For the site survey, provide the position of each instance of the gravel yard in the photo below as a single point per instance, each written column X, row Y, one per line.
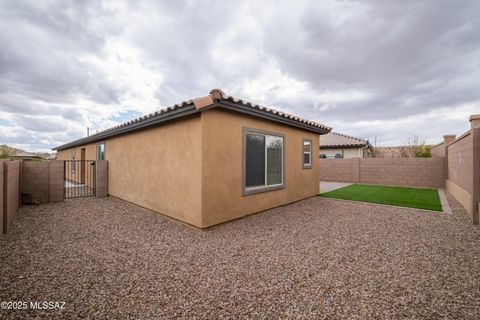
column 316, row 258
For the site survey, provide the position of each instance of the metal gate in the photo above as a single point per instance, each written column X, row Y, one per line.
column 79, row 178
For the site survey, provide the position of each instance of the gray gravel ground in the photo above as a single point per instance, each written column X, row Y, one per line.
column 317, row 258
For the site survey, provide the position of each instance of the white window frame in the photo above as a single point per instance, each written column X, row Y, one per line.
column 265, row 188
column 307, row 165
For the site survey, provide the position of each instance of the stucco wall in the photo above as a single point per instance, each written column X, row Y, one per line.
column 76, row 174
column 222, row 142
column 415, row 172
column 90, row 152
column 159, row 169
column 347, row 152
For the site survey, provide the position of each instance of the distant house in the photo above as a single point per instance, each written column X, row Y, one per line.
column 337, row 145
column 22, row 155
column 207, row 160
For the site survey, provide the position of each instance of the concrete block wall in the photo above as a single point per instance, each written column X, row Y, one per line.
column 11, row 192
column 56, row 181
column 438, row 150
column 101, row 176
column 339, row 170
column 35, row 179
column 412, row 172
column 460, row 162
column 2, row 169
column 43, row 179
column 463, row 173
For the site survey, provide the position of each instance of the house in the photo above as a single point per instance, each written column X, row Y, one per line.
column 22, row 155
column 337, row 145
column 208, row 160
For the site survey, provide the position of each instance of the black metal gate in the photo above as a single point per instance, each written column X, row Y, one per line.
column 79, row 178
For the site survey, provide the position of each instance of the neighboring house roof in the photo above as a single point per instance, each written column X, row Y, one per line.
column 338, row 140
column 23, row 154
column 216, row 99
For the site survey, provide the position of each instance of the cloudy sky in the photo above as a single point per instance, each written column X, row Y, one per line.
column 384, row 69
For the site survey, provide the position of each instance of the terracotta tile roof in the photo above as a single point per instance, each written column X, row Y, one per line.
column 219, row 94
column 335, row 139
column 217, row 98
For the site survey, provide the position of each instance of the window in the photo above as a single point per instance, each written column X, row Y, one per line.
column 323, row 156
column 263, row 161
column 101, row 151
column 307, row 154
column 338, row 156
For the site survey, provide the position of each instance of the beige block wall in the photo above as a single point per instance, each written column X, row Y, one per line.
column 461, row 195
column 414, row 172
column 460, row 162
column 339, row 170
column 460, row 171
column 101, row 177
column 43, row 179
column 2, row 168
column 35, row 179
column 222, row 142
column 56, row 181
column 12, row 190
column 438, row 150
column 159, row 169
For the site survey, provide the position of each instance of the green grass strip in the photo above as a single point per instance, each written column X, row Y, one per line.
column 396, row 196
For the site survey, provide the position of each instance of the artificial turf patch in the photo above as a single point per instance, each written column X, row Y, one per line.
column 396, row 196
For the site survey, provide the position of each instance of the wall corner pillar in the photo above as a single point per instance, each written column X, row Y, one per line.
column 101, row 178
column 475, row 131
column 447, row 139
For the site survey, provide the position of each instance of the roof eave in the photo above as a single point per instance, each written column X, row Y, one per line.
column 257, row 112
column 172, row 115
column 192, row 109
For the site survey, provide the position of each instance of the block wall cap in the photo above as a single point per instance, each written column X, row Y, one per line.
column 475, row 117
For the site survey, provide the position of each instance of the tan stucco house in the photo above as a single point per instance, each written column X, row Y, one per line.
column 338, row 145
column 208, row 160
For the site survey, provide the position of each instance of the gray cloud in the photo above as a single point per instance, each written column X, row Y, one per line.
column 369, row 68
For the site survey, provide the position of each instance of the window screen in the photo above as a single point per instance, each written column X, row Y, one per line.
column 274, row 160
column 307, row 153
column 263, row 160
column 255, row 160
